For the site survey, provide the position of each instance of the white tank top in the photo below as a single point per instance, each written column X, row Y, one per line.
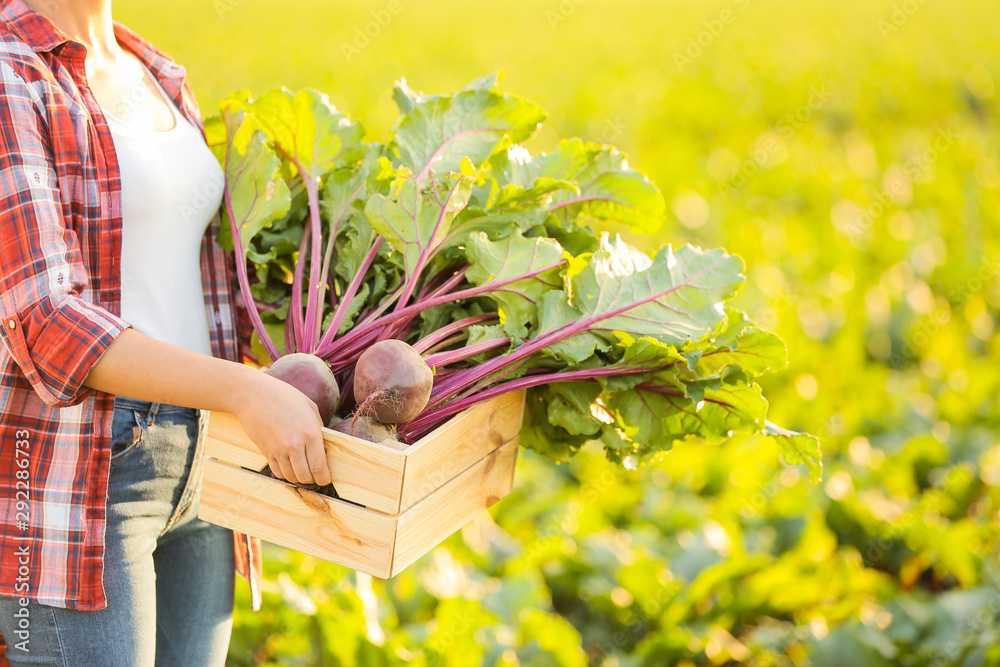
column 171, row 189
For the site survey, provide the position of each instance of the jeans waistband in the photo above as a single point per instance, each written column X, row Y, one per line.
column 150, row 409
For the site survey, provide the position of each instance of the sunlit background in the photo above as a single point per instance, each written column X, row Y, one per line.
column 848, row 151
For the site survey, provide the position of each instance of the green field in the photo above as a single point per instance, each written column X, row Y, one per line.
column 848, row 151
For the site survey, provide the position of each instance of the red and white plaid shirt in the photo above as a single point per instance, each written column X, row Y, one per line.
column 60, row 246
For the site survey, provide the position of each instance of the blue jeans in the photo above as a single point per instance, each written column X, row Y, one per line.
column 168, row 576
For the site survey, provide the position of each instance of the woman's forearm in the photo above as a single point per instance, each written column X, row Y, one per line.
column 141, row 367
column 147, row 369
column 282, row 421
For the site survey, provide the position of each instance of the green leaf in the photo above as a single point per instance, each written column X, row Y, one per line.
column 480, row 333
column 307, row 130
column 740, row 344
column 496, row 222
column 406, row 98
column 415, row 220
column 279, row 241
column 570, row 406
column 255, row 193
column 694, row 390
column 662, row 360
column 574, row 235
column 556, row 311
column 798, row 448
column 582, row 179
column 640, row 414
column 675, row 298
column 653, row 416
column 436, row 132
column 540, row 191
column 344, row 189
column 539, row 434
column 726, row 411
column 270, row 286
column 497, row 261
column 352, row 246
column 609, row 190
column 473, row 220
column 505, row 210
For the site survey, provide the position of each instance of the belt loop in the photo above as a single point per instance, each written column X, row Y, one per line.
column 152, row 413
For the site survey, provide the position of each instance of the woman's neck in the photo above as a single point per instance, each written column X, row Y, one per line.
column 84, row 21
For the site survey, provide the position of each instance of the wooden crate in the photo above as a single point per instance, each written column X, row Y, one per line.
column 394, row 506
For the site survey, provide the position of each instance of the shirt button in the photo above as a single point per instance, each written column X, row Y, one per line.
column 11, row 323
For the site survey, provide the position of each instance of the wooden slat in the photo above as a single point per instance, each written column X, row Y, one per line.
column 227, row 441
column 302, row 520
column 432, row 520
column 457, row 444
column 363, row 472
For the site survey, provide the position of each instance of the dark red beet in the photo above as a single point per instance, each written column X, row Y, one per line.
column 313, row 377
column 392, row 381
column 366, row 428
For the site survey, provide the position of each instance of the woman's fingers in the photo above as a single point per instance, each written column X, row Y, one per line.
column 309, row 463
column 300, row 467
column 276, row 468
column 319, row 465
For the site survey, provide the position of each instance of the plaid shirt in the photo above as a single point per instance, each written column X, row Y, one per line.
column 60, row 247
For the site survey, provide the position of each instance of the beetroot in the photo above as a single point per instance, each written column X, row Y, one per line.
column 366, row 428
column 392, row 381
column 313, row 377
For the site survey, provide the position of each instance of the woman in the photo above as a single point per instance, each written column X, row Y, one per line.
column 119, row 331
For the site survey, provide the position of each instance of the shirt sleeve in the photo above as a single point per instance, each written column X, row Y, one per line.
column 52, row 333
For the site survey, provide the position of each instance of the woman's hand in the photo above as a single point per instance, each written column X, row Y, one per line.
column 285, row 425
